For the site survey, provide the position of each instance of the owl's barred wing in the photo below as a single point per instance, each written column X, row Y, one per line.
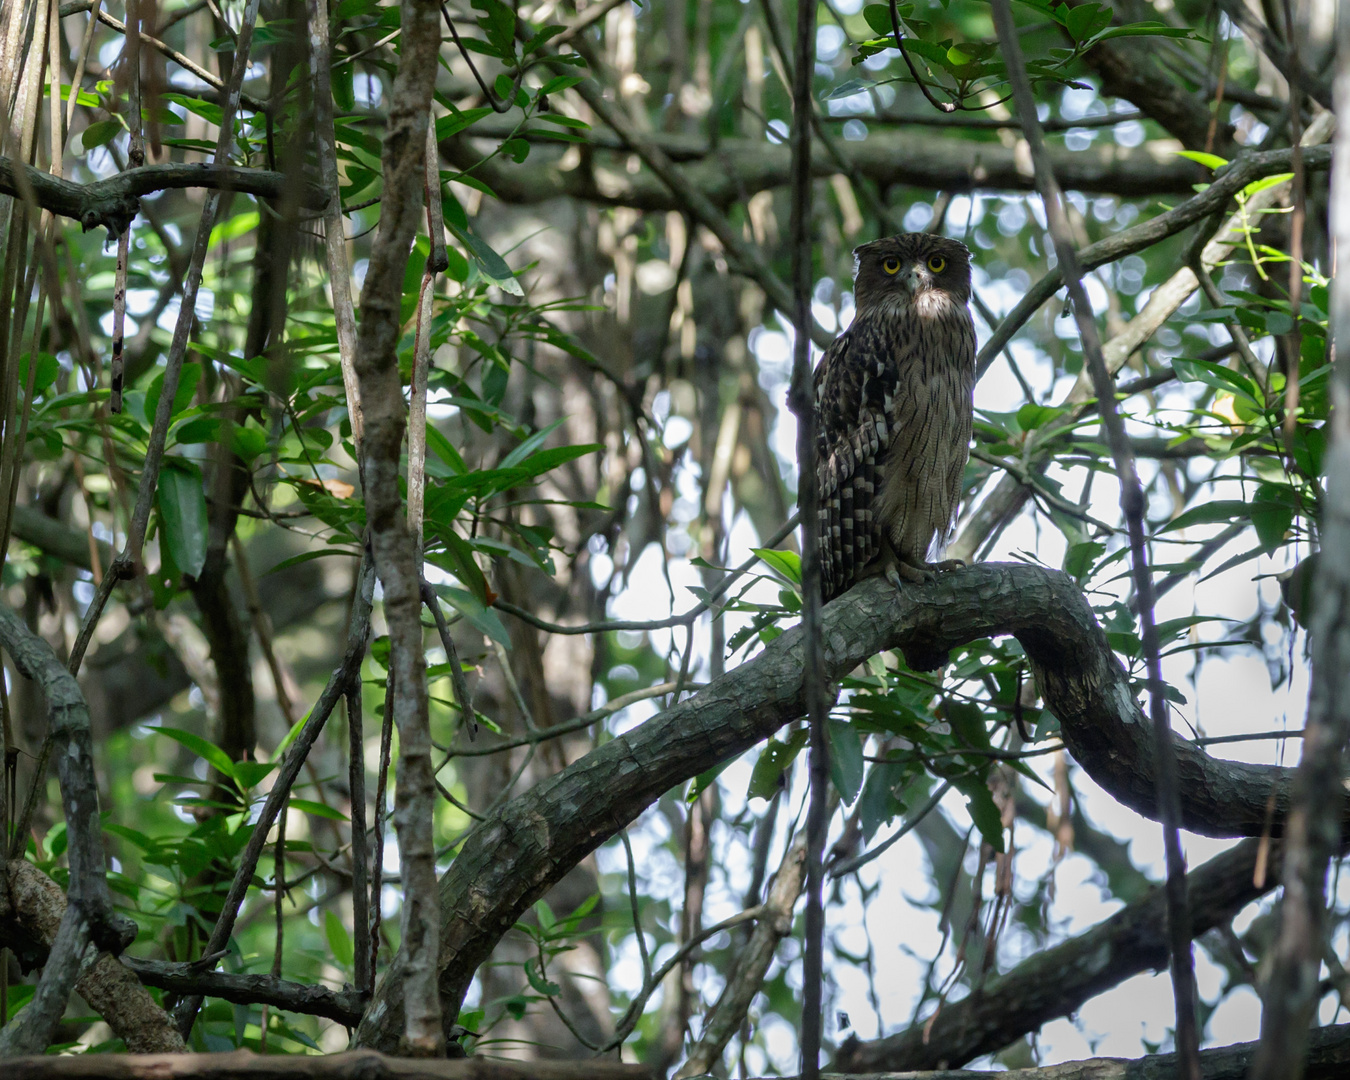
column 854, row 389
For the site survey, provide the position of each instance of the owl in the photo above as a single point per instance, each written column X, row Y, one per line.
column 893, row 399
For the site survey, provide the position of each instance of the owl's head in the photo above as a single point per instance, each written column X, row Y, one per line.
column 920, row 269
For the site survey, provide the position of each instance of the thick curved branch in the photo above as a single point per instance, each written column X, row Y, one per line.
column 1057, row 981
column 113, row 202
column 513, row 859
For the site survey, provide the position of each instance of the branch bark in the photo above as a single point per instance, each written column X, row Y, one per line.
column 113, row 202
column 357, row 1065
column 385, row 417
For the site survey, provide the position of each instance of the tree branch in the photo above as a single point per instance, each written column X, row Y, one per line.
column 385, row 416
column 738, row 168
column 344, row 1006
column 514, row 858
column 357, row 1065
column 1057, row 981
column 112, row 203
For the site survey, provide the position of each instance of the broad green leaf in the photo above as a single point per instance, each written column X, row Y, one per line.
column 1272, row 513
column 212, row 754
column 787, row 563
column 339, row 940
column 1209, row 161
column 100, row 132
column 318, row 809
column 766, row 777
column 249, row 774
column 983, row 810
column 878, row 17
column 846, row 759
column 189, row 377
column 182, row 514
column 1219, row 510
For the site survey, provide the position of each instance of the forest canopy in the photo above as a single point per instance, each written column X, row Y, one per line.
column 408, row 643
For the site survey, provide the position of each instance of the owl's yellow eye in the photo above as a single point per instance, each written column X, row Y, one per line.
column 937, row 264
column 891, row 265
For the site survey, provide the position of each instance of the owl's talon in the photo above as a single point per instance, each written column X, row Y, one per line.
column 947, row 565
column 893, row 576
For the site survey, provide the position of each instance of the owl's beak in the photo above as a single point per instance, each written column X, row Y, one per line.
column 910, row 280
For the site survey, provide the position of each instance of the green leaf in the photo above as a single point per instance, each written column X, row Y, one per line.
column 878, row 17
column 530, row 445
column 209, row 752
column 766, row 777
column 483, row 618
column 442, row 448
column 1272, row 513
column 558, row 84
column 1216, row 375
column 1217, row 510
column 499, row 26
column 538, row 982
column 1265, row 183
column 492, row 265
column 44, row 375
column 339, row 941
column 182, row 514
column 188, row 379
column 787, row 563
column 249, row 774
column 982, row 809
column 1279, row 323
column 1080, row 558
column 846, row 759
column 235, row 226
column 453, row 124
column 248, row 441
column 1031, row 416
column 100, row 132
column 1209, row 161
column 317, row 809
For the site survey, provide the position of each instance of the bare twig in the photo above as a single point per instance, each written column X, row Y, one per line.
column 1132, row 505
column 344, row 1006
column 848, row 866
column 654, row 624
column 339, row 273
column 801, row 400
column 362, row 974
